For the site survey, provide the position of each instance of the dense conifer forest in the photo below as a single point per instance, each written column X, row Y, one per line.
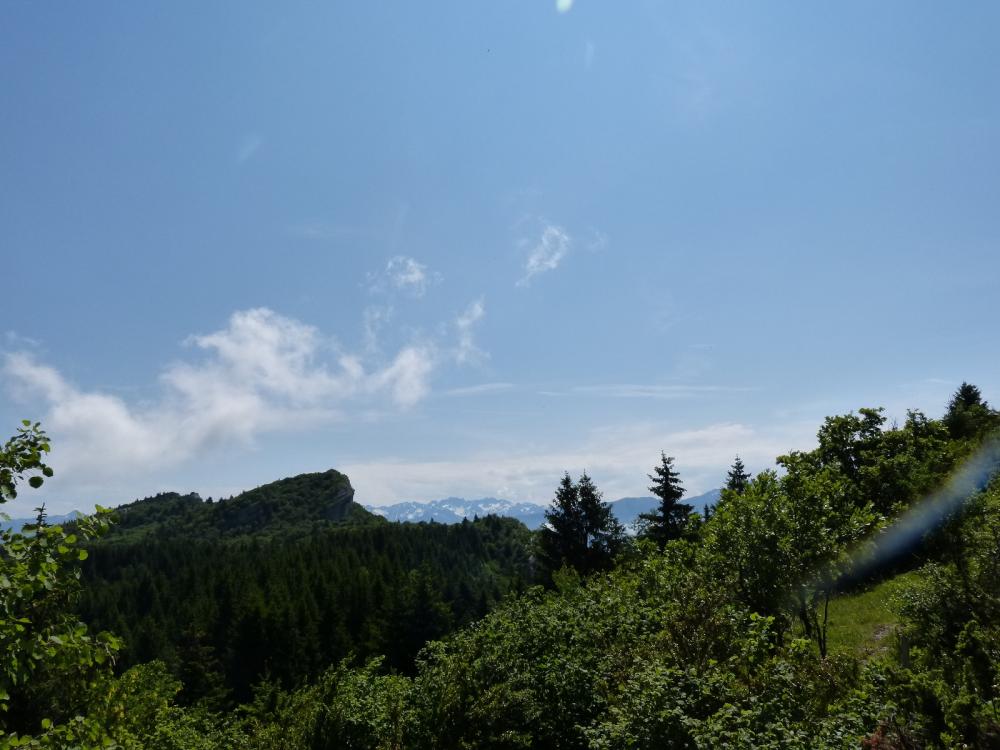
column 225, row 614
column 287, row 617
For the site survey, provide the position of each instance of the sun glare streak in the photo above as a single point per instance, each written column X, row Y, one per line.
column 927, row 515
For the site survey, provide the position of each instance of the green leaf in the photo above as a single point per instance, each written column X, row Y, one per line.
column 82, row 554
column 36, row 482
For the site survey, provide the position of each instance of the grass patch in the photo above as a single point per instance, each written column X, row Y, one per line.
column 863, row 623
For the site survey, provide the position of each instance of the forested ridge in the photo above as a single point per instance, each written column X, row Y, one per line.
column 226, row 614
column 707, row 631
column 293, row 503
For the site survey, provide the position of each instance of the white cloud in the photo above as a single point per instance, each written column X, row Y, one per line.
column 467, row 350
column 405, row 275
column 406, row 376
column 564, row 6
column 619, row 458
column 262, row 373
column 547, row 253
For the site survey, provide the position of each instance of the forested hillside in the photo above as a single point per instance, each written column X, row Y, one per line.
column 286, row 579
column 307, row 500
column 747, row 628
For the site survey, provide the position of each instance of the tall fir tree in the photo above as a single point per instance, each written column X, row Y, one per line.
column 580, row 530
column 670, row 519
column 604, row 534
column 738, row 477
column 737, row 481
column 563, row 538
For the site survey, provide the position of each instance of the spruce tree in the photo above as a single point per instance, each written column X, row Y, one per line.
column 580, row 530
column 670, row 518
column 738, row 477
column 563, row 538
column 737, row 481
column 604, row 534
column 968, row 414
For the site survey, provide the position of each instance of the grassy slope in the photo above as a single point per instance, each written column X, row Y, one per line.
column 863, row 623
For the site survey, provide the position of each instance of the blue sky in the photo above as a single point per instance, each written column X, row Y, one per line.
column 458, row 248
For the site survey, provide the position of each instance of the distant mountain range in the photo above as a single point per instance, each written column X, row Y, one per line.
column 627, row 509
column 454, row 509
column 16, row 524
column 532, row 515
column 328, row 497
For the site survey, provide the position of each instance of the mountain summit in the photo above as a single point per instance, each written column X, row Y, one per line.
column 303, row 500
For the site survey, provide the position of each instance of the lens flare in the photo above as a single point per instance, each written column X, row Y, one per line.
column 894, row 542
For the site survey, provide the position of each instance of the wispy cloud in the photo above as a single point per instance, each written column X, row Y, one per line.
column 14, row 339
column 249, row 145
column 467, row 350
column 262, row 373
column 479, row 389
column 375, row 318
column 709, row 67
column 635, row 390
column 596, row 240
column 547, row 253
column 403, row 274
